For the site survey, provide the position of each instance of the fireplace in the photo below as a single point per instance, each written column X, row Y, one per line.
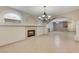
column 31, row 33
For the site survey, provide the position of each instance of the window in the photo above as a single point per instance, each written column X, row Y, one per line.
column 12, row 17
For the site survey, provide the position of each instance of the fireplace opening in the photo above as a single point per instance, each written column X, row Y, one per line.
column 31, row 33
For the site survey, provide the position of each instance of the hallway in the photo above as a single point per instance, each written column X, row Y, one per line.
column 53, row 42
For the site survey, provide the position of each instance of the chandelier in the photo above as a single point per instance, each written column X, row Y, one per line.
column 44, row 18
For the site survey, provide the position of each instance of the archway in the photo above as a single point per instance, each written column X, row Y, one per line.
column 62, row 24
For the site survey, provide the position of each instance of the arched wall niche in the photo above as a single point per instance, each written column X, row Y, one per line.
column 10, row 14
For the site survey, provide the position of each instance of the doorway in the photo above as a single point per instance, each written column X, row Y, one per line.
column 60, row 26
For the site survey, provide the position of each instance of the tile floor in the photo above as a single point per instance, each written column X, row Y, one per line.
column 52, row 42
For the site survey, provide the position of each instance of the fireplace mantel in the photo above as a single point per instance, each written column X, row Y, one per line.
column 10, row 33
column 19, row 25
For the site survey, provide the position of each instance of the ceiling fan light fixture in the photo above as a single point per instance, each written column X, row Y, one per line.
column 49, row 16
column 43, row 15
column 44, row 18
column 39, row 17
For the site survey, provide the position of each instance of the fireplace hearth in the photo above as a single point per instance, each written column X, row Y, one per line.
column 31, row 33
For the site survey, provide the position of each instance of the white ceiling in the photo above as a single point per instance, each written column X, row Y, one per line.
column 51, row 10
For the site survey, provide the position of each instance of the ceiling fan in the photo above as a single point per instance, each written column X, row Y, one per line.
column 44, row 17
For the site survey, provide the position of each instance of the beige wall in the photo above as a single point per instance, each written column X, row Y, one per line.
column 11, row 34
column 73, row 16
column 77, row 31
column 72, row 26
